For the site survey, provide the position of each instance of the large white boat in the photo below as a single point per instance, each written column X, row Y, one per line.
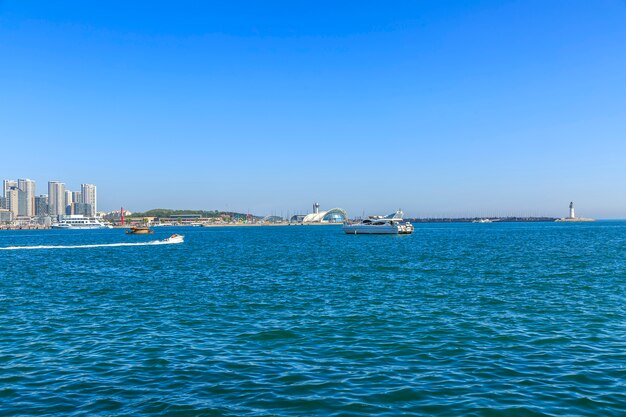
column 77, row 221
column 392, row 224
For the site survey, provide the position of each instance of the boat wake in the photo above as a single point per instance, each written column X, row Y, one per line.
column 102, row 245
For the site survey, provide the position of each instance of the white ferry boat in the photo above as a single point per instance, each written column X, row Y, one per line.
column 77, row 221
column 392, row 224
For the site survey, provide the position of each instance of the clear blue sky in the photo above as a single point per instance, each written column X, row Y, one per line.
column 438, row 107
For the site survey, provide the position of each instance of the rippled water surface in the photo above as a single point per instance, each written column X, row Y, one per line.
column 457, row 319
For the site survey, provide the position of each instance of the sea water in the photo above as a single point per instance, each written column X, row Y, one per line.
column 456, row 319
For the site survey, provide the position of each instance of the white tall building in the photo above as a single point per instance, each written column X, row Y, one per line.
column 12, row 195
column 68, row 202
column 572, row 215
column 56, row 198
column 27, row 205
column 6, row 185
column 89, row 197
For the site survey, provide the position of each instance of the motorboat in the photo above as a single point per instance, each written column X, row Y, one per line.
column 482, row 221
column 79, row 222
column 175, row 239
column 392, row 224
column 139, row 230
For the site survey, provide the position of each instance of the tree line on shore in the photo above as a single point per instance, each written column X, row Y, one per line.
column 203, row 213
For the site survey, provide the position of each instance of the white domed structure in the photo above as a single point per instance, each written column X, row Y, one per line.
column 334, row 215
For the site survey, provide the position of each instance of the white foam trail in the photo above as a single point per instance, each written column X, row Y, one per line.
column 102, row 245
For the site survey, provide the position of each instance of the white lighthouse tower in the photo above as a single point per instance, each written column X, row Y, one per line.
column 572, row 216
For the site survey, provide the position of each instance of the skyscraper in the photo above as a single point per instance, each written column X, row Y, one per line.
column 41, row 205
column 69, row 208
column 56, row 198
column 12, row 194
column 27, row 201
column 89, row 197
column 6, row 184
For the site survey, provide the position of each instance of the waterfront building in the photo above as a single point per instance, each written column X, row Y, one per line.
column 72, row 199
column 22, row 204
column 89, row 196
column 27, row 197
column 572, row 215
column 12, row 195
column 334, row 215
column 297, row 218
column 81, row 209
column 41, row 205
column 7, row 186
column 5, row 215
column 56, row 198
column 69, row 207
column 3, row 202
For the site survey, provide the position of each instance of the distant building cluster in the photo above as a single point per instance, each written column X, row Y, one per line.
column 20, row 202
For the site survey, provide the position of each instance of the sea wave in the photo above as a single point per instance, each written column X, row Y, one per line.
column 99, row 245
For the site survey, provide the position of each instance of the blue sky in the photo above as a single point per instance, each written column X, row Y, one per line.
column 440, row 108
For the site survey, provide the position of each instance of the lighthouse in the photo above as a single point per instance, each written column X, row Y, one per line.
column 572, row 216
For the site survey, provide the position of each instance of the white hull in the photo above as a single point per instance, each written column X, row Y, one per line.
column 79, row 222
column 375, row 225
column 358, row 229
column 175, row 239
column 90, row 227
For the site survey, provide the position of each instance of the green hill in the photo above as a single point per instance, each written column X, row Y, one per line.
column 204, row 213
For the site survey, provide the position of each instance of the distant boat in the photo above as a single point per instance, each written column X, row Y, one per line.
column 393, row 224
column 482, row 221
column 79, row 222
column 139, row 230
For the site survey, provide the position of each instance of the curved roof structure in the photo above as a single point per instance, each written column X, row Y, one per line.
column 324, row 216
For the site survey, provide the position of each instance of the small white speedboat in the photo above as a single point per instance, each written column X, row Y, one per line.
column 175, row 239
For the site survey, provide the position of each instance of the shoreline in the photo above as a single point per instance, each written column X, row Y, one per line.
column 414, row 221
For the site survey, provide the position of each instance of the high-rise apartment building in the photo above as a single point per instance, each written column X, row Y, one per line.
column 72, row 200
column 56, row 198
column 12, row 195
column 6, row 184
column 27, row 197
column 41, row 205
column 89, row 197
column 68, row 203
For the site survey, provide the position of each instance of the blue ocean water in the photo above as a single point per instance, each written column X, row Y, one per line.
column 524, row 319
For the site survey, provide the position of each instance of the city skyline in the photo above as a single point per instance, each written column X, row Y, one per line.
column 88, row 195
column 441, row 109
column 21, row 199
